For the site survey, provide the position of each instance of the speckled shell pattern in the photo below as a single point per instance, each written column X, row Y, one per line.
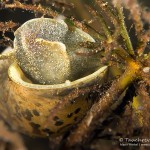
column 45, row 72
column 27, row 108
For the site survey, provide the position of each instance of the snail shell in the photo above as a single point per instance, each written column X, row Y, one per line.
column 46, row 51
column 26, row 105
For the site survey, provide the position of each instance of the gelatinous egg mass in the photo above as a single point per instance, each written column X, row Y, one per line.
column 46, row 51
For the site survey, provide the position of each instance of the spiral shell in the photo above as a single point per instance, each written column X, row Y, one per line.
column 25, row 103
column 26, row 106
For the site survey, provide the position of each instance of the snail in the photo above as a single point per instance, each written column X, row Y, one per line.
column 46, row 70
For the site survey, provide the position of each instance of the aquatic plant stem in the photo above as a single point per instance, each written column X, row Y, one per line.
column 102, row 23
column 105, row 28
column 101, row 109
column 124, row 32
column 39, row 8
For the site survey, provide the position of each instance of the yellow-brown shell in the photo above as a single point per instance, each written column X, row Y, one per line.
column 26, row 106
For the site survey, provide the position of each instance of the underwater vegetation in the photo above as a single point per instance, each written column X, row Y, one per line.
column 77, row 74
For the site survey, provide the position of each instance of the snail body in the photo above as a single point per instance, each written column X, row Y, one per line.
column 46, row 51
column 46, row 72
column 39, row 51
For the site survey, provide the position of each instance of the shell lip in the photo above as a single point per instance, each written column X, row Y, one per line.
column 16, row 75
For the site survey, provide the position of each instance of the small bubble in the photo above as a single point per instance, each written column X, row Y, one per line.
column 67, row 82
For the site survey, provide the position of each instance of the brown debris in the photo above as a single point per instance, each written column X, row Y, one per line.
column 7, row 26
column 37, row 9
column 10, row 140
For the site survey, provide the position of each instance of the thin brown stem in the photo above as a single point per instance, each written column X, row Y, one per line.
column 109, row 11
column 97, row 34
column 123, row 54
column 101, row 109
column 39, row 8
column 102, row 23
column 136, row 13
column 7, row 26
